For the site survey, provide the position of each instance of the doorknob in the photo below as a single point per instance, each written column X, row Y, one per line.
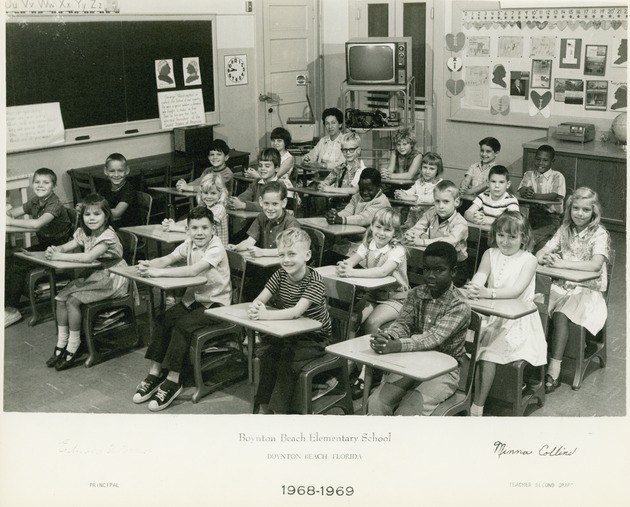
column 265, row 98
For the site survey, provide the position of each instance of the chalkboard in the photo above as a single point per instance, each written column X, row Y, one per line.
column 103, row 72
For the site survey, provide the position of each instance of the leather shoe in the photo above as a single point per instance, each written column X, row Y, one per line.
column 551, row 384
column 357, row 389
column 58, row 354
column 67, row 361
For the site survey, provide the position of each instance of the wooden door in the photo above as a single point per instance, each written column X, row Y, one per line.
column 290, row 50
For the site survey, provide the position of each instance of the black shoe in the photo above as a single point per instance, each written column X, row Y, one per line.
column 357, row 389
column 551, row 384
column 67, row 361
column 58, row 354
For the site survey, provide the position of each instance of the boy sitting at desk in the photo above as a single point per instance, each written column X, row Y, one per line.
column 301, row 292
column 544, row 184
column 119, row 193
column 268, row 163
column 492, row 203
column 433, row 317
column 203, row 255
column 261, row 236
column 52, row 223
column 442, row 222
column 218, row 155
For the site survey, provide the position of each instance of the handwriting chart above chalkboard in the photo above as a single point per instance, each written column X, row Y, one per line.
column 103, row 72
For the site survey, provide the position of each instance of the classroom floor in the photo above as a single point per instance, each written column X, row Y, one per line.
column 109, row 386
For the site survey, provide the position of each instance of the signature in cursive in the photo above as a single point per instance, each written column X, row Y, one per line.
column 546, row 450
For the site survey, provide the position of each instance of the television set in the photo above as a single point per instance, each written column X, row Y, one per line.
column 378, row 60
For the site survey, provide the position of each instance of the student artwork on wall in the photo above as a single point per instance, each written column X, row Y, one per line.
column 619, row 93
column 596, row 95
column 455, row 43
column 164, row 77
column 541, row 74
column 477, row 92
column 478, row 46
column 570, row 53
column 540, row 104
column 191, row 72
column 542, row 47
column 569, row 91
column 500, row 105
column 498, row 77
column 595, row 60
column 510, row 47
column 619, row 53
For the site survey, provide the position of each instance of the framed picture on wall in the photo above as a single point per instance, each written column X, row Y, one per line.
column 541, row 74
column 596, row 95
column 595, row 60
column 570, row 53
column 569, row 91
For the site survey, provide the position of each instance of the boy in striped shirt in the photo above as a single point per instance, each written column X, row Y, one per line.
column 300, row 292
column 492, row 203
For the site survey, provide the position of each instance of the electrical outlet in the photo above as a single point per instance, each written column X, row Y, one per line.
column 248, row 6
column 301, row 80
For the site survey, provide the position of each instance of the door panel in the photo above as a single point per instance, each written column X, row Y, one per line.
column 289, row 51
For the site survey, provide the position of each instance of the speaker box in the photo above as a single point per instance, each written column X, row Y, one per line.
column 193, row 140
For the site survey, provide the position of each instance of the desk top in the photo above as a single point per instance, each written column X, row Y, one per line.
column 243, row 177
column 156, row 232
column 162, row 282
column 401, row 202
column 17, row 228
column 280, row 328
column 319, row 193
column 174, row 191
column 506, row 308
column 482, row 227
column 321, row 224
column 364, row 283
column 400, row 182
column 521, row 200
column 38, row 258
column 242, row 213
column 572, row 275
column 420, row 365
column 260, row 261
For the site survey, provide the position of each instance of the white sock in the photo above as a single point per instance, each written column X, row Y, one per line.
column 74, row 340
column 554, row 368
column 476, row 410
column 62, row 336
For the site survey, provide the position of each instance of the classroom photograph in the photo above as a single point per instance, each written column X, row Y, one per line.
column 316, row 207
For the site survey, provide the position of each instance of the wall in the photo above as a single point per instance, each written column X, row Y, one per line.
column 235, row 35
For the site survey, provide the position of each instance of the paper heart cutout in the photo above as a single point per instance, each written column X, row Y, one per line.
column 616, row 24
column 540, row 101
column 454, row 64
column 531, row 24
column 455, row 87
column 562, row 24
column 533, row 111
column 541, row 24
column 500, row 105
column 597, row 23
column 606, row 24
column 455, row 43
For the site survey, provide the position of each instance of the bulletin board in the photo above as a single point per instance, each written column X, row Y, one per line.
column 536, row 67
column 107, row 73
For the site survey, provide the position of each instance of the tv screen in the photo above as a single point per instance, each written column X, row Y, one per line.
column 371, row 63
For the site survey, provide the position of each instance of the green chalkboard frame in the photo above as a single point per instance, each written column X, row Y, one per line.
column 101, row 69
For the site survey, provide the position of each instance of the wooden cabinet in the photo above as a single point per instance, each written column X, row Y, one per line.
column 596, row 165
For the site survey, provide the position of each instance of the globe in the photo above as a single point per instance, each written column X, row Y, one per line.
column 620, row 127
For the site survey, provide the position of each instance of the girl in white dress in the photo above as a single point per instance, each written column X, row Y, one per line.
column 581, row 242
column 507, row 271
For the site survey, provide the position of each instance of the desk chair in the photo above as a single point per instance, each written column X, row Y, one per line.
column 219, row 347
column 179, row 205
column 582, row 347
column 415, row 263
column 156, row 177
column 90, row 312
column 82, row 185
column 461, row 400
column 519, row 383
column 318, row 240
column 38, row 277
column 145, row 203
column 341, row 298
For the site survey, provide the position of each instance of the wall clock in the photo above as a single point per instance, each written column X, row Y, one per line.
column 235, row 70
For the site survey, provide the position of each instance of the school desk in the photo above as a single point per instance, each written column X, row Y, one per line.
column 237, row 314
column 521, row 200
column 571, row 275
column 245, row 215
column 53, row 265
column 506, row 308
column 330, row 272
column 314, row 192
column 321, row 224
column 156, row 233
column 264, row 262
column 308, row 171
column 21, row 182
column 419, row 365
column 399, row 182
column 163, row 283
column 242, row 182
column 13, row 230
